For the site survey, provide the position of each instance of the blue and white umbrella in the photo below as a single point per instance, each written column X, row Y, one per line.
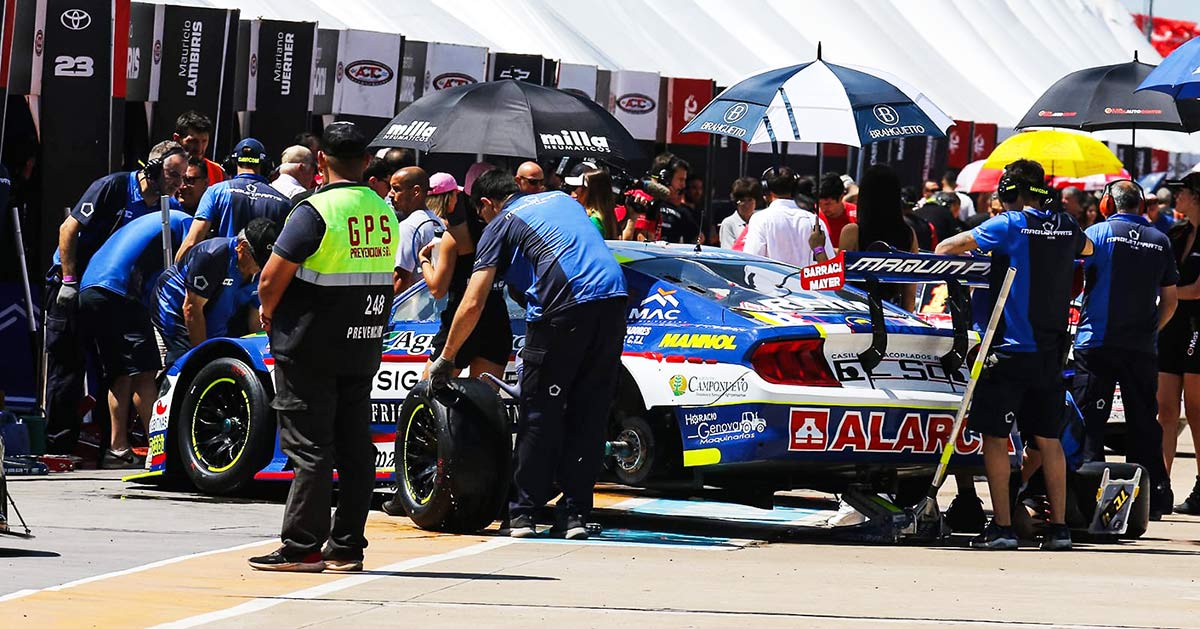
column 821, row 102
column 1178, row 74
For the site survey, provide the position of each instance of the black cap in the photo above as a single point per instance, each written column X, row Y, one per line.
column 575, row 179
column 260, row 234
column 1190, row 181
column 344, row 140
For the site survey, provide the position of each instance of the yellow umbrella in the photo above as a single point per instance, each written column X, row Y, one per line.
column 1060, row 153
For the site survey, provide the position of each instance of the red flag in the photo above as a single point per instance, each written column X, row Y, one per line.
column 958, row 153
column 685, row 99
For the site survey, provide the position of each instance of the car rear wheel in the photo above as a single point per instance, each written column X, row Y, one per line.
column 634, row 460
column 225, row 427
column 453, row 457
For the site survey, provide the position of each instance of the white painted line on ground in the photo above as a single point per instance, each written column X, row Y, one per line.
column 135, row 569
column 324, row 589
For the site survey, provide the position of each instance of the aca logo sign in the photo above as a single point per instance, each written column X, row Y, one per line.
column 369, row 73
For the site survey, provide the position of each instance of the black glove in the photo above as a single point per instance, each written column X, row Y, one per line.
column 67, row 294
column 440, row 372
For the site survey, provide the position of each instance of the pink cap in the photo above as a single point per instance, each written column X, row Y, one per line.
column 473, row 173
column 441, row 183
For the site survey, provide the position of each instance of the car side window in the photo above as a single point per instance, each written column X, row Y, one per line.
column 416, row 304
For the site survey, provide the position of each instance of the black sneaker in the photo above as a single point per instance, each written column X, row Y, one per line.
column 1191, row 506
column 1161, row 499
column 342, row 563
column 1056, row 537
column 123, row 460
column 995, row 537
column 966, row 515
column 522, row 527
column 573, row 527
column 280, row 562
column 393, row 507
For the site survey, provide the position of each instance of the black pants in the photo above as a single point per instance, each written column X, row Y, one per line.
column 1097, row 372
column 65, row 368
column 325, row 422
column 568, row 382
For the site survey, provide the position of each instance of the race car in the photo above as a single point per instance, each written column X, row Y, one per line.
column 733, row 376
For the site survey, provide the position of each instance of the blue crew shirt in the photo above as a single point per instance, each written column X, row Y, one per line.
column 230, row 205
column 1042, row 246
column 546, row 246
column 208, row 270
column 1132, row 262
column 107, row 205
column 130, row 262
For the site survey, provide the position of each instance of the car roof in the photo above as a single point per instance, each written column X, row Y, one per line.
column 629, row 251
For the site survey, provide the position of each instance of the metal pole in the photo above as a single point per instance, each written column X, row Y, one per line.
column 164, row 204
column 1133, row 172
column 34, row 351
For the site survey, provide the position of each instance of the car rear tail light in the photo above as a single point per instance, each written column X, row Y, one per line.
column 799, row 362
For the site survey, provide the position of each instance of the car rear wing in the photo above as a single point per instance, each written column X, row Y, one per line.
column 874, row 268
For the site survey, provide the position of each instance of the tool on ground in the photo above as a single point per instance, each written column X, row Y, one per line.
column 927, row 517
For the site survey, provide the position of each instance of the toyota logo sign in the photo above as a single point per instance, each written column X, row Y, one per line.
column 886, row 115
column 75, row 19
column 735, row 112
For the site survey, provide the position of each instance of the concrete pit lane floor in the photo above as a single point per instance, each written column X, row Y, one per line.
column 113, row 554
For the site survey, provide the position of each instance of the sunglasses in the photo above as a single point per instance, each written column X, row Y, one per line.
column 536, row 182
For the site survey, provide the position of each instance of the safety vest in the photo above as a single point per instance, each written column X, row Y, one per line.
column 335, row 312
column 358, row 248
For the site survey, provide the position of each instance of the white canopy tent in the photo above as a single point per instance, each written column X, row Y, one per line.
column 981, row 60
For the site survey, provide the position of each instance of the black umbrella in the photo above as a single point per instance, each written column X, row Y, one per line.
column 512, row 118
column 1104, row 97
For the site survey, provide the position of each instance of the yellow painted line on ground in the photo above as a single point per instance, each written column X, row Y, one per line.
column 201, row 584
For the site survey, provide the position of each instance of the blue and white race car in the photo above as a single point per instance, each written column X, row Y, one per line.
column 733, row 376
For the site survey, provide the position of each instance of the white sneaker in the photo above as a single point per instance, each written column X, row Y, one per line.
column 846, row 515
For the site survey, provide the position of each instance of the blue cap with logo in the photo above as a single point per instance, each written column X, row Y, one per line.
column 250, row 151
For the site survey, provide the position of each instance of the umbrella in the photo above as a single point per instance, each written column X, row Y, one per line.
column 1060, row 153
column 821, row 102
column 1176, row 75
column 1089, row 183
column 1104, row 97
column 512, row 118
column 975, row 178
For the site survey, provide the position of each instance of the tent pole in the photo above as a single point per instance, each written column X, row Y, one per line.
column 1133, row 172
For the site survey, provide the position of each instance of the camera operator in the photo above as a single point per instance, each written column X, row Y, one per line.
column 679, row 224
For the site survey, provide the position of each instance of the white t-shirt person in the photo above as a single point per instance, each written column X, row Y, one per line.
column 416, row 230
column 781, row 231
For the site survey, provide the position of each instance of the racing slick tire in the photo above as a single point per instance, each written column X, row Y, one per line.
column 225, row 427
column 1081, row 496
column 453, row 456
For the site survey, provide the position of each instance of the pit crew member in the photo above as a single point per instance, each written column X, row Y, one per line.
column 1022, row 382
column 576, row 300
column 198, row 298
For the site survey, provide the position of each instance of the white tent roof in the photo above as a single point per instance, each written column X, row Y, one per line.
column 982, row 60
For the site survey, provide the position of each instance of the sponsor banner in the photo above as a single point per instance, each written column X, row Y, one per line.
column 16, row 370
column 1159, row 161
column 120, row 50
column 277, row 94
column 604, row 88
column 1135, row 159
column 983, row 140
column 140, row 57
column 325, row 60
column 958, row 140
column 675, row 340
column 503, row 65
column 762, row 432
column 76, row 92
column 1166, row 34
column 26, row 41
column 412, row 73
column 635, row 102
column 828, row 275
column 451, row 65
column 578, row 79
column 241, row 74
column 685, row 99
column 908, row 157
column 549, row 72
column 365, row 80
column 199, row 50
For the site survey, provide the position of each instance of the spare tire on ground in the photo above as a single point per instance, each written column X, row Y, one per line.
column 453, row 456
